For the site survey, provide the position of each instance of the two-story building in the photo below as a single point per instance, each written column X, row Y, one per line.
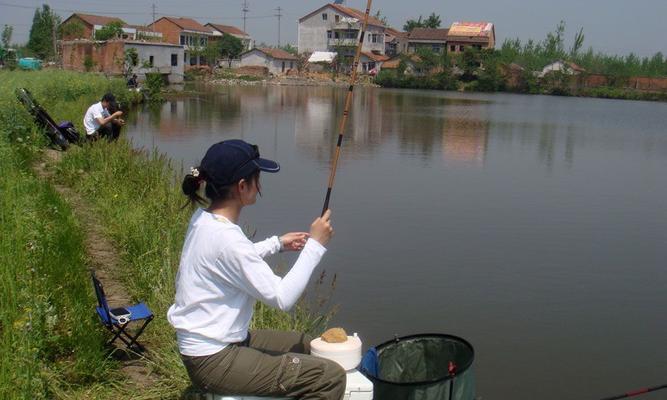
column 188, row 33
column 336, row 28
column 84, row 26
column 479, row 35
column 434, row 39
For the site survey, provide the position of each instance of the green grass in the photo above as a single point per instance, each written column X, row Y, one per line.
column 51, row 344
column 48, row 339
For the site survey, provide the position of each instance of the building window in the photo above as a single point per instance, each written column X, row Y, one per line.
column 337, row 18
column 174, row 60
column 350, row 34
column 329, row 35
column 185, row 58
column 150, row 61
column 461, row 48
column 193, row 60
column 291, row 65
column 182, row 40
column 202, row 41
column 435, row 48
column 324, row 16
column 452, row 48
column 336, row 35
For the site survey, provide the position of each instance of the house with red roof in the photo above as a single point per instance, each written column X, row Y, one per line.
column 221, row 30
column 188, row 33
column 334, row 27
column 84, row 26
column 277, row 61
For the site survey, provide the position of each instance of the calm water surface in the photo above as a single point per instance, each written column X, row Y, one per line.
column 535, row 227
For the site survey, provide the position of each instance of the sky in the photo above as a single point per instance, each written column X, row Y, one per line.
column 610, row 26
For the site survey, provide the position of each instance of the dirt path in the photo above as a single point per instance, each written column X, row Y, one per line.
column 103, row 258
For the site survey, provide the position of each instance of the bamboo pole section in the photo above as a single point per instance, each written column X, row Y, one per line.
column 346, row 112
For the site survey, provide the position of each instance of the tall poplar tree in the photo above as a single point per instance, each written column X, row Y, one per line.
column 42, row 31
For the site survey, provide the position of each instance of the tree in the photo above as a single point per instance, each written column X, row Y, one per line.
column 383, row 18
column 578, row 43
column 7, row 36
column 290, row 49
column 231, row 47
column 112, row 30
column 72, row 30
column 41, row 39
column 412, row 24
column 433, row 21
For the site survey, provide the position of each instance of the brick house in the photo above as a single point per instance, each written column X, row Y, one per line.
column 188, row 33
column 221, row 30
column 434, row 39
column 479, row 35
column 84, row 26
column 334, row 27
column 109, row 57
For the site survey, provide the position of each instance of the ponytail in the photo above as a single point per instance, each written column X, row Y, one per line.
column 192, row 183
column 190, row 187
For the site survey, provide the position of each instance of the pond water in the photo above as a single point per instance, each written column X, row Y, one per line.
column 535, row 227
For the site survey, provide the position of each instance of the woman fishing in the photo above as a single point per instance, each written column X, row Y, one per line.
column 221, row 275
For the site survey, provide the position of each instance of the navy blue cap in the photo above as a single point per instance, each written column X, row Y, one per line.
column 228, row 161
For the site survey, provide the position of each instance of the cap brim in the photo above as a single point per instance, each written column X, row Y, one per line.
column 267, row 165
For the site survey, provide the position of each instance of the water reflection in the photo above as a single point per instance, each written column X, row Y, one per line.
column 534, row 226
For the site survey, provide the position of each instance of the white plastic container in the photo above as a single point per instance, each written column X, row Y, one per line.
column 347, row 354
column 358, row 387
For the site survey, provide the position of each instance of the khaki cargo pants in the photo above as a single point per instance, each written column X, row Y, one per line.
column 268, row 363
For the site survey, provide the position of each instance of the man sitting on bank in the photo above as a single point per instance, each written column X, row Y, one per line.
column 100, row 123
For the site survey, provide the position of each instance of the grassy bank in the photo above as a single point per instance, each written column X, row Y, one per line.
column 136, row 195
column 50, row 345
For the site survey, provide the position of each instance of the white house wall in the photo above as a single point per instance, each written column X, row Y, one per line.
column 161, row 59
column 257, row 58
column 313, row 33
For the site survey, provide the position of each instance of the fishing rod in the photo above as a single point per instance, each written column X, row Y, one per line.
column 636, row 392
column 346, row 112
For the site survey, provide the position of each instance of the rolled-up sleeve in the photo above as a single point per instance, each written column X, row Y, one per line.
column 268, row 246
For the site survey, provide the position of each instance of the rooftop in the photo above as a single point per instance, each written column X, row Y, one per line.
column 188, row 24
column 276, row 53
column 95, row 19
column 231, row 30
column 429, row 34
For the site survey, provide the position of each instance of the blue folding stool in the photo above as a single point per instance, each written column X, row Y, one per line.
column 117, row 325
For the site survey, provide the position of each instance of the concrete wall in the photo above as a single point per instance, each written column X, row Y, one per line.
column 162, row 55
column 259, row 59
column 312, row 35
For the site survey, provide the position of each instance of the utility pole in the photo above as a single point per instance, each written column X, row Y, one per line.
column 279, row 15
column 153, row 17
column 245, row 11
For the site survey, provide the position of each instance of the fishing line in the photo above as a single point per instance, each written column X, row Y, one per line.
column 346, row 112
column 636, row 392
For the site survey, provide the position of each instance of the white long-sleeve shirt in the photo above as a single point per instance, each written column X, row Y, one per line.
column 221, row 275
